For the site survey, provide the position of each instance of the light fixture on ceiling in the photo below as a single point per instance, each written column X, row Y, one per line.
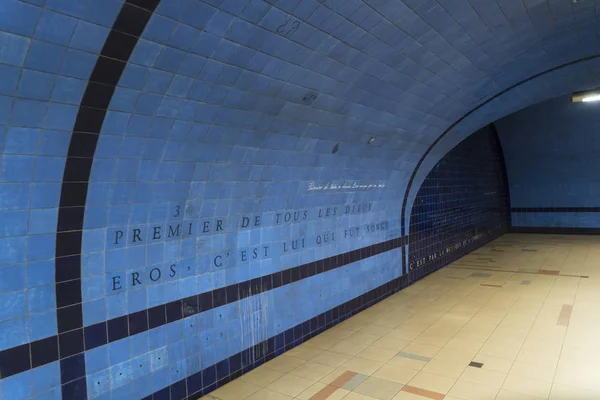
column 371, row 140
column 587, row 96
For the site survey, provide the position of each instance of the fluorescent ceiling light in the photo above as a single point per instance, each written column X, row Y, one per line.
column 586, row 97
column 591, row 98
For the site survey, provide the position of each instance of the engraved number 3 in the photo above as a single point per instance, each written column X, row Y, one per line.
column 177, row 211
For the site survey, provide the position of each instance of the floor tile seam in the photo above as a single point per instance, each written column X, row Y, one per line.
column 465, row 323
column 528, row 333
column 560, row 354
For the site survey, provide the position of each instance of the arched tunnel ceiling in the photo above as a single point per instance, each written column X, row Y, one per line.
column 276, row 84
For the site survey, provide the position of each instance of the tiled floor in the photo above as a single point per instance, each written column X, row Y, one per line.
column 524, row 311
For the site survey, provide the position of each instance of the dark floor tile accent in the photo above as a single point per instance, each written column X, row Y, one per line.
column 480, row 275
column 525, row 282
column 475, row 364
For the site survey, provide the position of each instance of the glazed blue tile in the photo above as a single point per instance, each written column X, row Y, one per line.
column 183, row 37
column 18, row 17
column 41, row 298
column 44, row 56
column 134, row 77
column 42, row 194
column 14, row 333
column 158, row 81
column 147, row 103
column 170, row 59
column 14, row 49
column 10, row 79
column 18, row 386
column 41, row 247
column 42, row 220
column 49, row 169
column 53, row 143
column 89, row 37
column 118, row 351
column 5, row 108
column 78, row 64
column 68, row 90
column 159, row 29
column 21, row 141
column 124, row 99
column 28, row 113
column 98, row 383
column 102, row 12
column 45, row 378
column 42, row 325
column 13, row 277
column 146, row 53
column 54, row 27
column 61, row 117
column 39, row 272
column 13, row 304
column 120, row 374
column 17, row 168
column 94, row 312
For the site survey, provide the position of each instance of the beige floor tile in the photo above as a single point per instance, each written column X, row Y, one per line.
column 312, row 370
column 290, row 385
column 444, row 368
column 566, row 392
column 494, row 363
column 284, row 363
column 322, row 343
column 404, row 362
column 435, row 383
column 348, row 347
column 262, row 376
column 455, row 356
column 533, row 371
column 379, row 330
column 424, row 350
column 483, row 377
column 379, row 388
column 235, row 390
column 472, row 391
column 313, row 390
column 331, row 358
column 265, row 394
column 395, row 374
column 362, row 365
column 363, row 338
column 403, row 334
column 304, row 352
column 528, row 386
column 357, row 396
column 408, row 396
column 393, row 343
column 332, row 376
column 376, row 353
column 507, row 395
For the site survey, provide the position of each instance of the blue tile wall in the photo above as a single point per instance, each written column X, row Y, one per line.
column 197, row 186
column 551, row 166
column 462, row 204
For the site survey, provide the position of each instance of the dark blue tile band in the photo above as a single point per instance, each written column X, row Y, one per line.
column 122, row 39
column 74, row 342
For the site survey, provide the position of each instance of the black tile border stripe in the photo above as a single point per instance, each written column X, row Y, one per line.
column 75, row 342
column 465, row 116
column 122, row 39
column 551, row 230
column 555, row 209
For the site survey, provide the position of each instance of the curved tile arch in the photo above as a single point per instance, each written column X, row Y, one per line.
column 397, row 71
column 558, row 81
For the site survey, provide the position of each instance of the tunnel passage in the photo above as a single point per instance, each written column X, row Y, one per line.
column 189, row 188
